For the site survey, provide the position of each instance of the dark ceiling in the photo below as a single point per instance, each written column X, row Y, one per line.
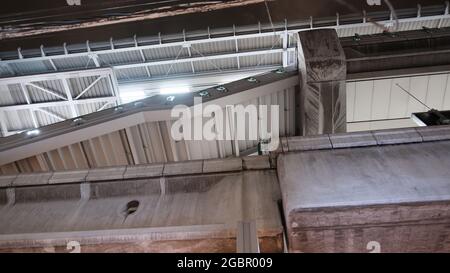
column 57, row 10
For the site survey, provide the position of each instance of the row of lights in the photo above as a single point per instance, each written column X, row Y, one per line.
column 121, row 109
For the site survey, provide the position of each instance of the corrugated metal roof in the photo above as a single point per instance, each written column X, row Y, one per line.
column 363, row 29
column 213, row 47
column 37, row 95
column 31, row 67
column 170, row 69
column 11, row 94
column 22, row 119
column 46, row 119
column 162, row 53
column 5, row 72
column 123, row 57
column 264, row 42
column 84, row 109
column 18, row 120
column 130, row 74
column 72, row 63
column 100, row 89
column 152, row 142
column 261, row 60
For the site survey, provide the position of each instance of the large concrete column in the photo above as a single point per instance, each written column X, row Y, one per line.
column 323, row 72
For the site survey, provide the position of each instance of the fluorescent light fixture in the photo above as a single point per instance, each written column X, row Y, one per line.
column 34, row 132
column 130, row 96
column 174, row 90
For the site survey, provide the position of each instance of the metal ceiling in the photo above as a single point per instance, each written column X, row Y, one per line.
column 148, row 140
column 49, row 85
column 163, row 58
column 34, row 101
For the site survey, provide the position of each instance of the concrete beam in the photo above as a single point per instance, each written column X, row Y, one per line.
column 322, row 69
column 173, row 214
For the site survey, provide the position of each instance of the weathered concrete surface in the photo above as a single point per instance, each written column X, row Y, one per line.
column 147, row 170
column 73, row 176
column 323, row 71
column 339, row 200
column 28, row 179
column 187, row 212
column 109, row 173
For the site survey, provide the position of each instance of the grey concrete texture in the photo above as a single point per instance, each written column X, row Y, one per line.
column 188, row 203
column 397, row 136
column 316, row 142
column 109, row 173
column 434, row 133
column 365, row 138
column 72, row 176
column 339, row 191
column 323, row 71
column 322, row 55
column 186, row 167
column 6, row 180
column 221, row 165
column 138, row 171
column 147, row 170
column 350, row 140
column 26, row 179
column 256, row 162
column 332, row 197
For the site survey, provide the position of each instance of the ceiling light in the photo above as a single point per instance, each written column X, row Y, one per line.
column 119, row 109
column 34, row 132
column 221, row 89
column 203, row 94
column 78, row 121
column 253, row 80
column 138, row 104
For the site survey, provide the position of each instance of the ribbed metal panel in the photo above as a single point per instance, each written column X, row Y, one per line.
column 384, row 100
column 32, row 67
column 260, row 60
column 161, row 53
column 5, row 72
column 73, row 63
column 272, row 41
column 100, row 89
column 11, row 95
column 403, row 26
column 213, row 48
column 18, row 120
column 123, row 57
column 84, row 109
column 167, row 69
column 129, row 74
column 215, row 65
column 46, row 119
column 37, row 95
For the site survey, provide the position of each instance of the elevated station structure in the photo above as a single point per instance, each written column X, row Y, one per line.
column 88, row 155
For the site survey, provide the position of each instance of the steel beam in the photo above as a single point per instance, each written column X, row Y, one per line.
column 57, row 103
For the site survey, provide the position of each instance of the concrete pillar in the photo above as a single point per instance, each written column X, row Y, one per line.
column 323, row 71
